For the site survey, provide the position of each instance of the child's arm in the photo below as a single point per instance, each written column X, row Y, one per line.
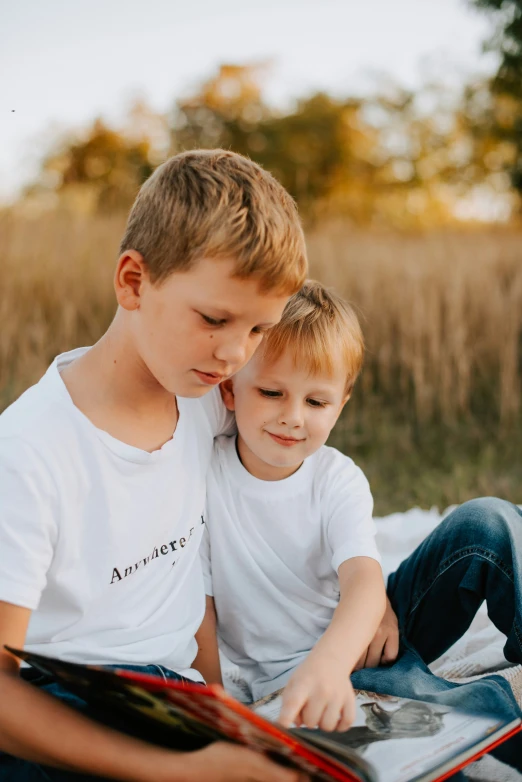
column 319, row 693
column 207, row 658
column 39, row 728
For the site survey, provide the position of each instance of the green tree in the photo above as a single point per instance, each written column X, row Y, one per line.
column 225, row 112
column 317, row 150
column 102, row 172
column 398, row 157
column 506, row 41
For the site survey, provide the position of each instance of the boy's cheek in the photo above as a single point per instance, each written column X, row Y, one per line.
column 260, row 411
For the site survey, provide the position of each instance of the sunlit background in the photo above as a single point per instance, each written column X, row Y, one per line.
column 396, row 126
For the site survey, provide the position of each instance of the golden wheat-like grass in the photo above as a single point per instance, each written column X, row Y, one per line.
column 56, row 291
column 442, row 312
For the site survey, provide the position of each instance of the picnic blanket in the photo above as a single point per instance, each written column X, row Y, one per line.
column 478, row 653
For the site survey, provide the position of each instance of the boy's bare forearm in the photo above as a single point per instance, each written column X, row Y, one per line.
column 207, row 659
column 357, row 617
column 36, row 727
column 39, row 728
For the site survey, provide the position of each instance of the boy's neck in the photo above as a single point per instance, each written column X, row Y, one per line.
column 260, row 469
column 113, row 388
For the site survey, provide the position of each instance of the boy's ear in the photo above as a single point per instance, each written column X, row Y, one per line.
column 131, row 272
column 227, row 394
column 345, row 400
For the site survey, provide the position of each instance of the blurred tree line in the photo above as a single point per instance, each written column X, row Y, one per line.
column 506, row 86
column 393, row 158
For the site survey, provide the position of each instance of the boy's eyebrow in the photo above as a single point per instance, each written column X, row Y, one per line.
column 218, row 311
column 267, row 379
column 226, row 314
column 272, row 380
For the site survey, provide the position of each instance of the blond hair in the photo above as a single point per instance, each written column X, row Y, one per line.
column 320, row 329
column 218, row 204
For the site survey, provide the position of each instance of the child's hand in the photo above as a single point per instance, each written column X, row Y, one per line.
column 384, row 647
column 319, row 694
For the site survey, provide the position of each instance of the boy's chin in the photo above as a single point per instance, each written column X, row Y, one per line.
column 194, row 392
column 190, row 390
column 282, row 464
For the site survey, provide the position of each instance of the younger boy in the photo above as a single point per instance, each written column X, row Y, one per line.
column 284, row 511
column 103, row 466
column 293, row 568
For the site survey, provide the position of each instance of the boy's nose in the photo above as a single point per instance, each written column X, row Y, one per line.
column 234, row 353
column 291, row 416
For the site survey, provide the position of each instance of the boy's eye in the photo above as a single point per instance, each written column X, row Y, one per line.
column 260, row 330
column 269, row 393
column 316, row 403
column 212, row 321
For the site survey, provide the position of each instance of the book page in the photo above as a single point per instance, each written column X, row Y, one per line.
column 401, row 739
column 269, row 706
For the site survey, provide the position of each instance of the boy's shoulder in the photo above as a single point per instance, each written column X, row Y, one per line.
column 38, row 434
column 331, row 461
column 39, row 415
column 44, row 415
column 335, row 470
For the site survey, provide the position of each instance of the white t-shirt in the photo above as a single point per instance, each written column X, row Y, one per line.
column 271, row 553
column 99, row 538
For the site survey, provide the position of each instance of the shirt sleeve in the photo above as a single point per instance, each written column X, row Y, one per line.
column 222, row 421
column 349, row 506
column 204, row 555
column 28, row 527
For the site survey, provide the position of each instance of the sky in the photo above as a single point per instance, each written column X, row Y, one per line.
column 64, row 62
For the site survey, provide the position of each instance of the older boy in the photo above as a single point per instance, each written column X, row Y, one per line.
column 103, row 465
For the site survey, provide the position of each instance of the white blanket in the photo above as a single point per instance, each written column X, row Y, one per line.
column 479, row 652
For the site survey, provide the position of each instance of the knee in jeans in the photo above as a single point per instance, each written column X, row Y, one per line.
column 485, row 519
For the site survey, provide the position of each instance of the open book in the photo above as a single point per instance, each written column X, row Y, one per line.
column 392, row 740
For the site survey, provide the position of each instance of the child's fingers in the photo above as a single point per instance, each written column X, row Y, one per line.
column 293, row 702
column 391, row 649
column 347, row 714
column 375, row 650
column 331, row 715
column 312, row 712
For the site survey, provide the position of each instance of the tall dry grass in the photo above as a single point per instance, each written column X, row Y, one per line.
column 442, row 316
column 55, row 291
column 442, row 312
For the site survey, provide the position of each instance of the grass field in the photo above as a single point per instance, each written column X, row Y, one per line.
column 436, row 416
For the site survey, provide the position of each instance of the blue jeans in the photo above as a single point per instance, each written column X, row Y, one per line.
column 475, row 554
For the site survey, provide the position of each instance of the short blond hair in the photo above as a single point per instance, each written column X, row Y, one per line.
column 320, row 329
column 218, row 204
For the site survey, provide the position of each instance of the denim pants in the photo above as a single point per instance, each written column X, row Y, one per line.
column 475, row 554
